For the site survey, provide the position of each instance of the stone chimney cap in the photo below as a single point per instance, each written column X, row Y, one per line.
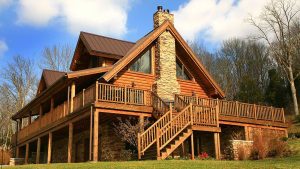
column 159, row 8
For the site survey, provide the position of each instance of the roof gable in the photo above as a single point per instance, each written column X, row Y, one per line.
column 48, row 78
column 98, row 45
column 144, row 42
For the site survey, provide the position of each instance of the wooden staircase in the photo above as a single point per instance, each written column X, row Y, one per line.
column 174, row 127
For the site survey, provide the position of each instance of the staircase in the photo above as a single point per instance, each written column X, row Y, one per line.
column 174, row 127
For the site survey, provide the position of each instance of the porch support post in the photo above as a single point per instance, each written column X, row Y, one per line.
column 72, row 96
column 27, row 153
column 21, row 124
column 217, row 145
column 38, row 151
column 17, row 152
column 91, row 135
column 246, row 133
column 29, row 118
column 49, row 148
column 96, row 127
column 141, row 123
column 70, row 143
column 192, row 146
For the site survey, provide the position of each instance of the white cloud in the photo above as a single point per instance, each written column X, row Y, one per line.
column 216, row 20
column 106, row 17
column 5, row 3
column 3, row 47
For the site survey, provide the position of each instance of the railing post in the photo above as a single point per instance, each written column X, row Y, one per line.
column 283, row 117
column 96, row 90
column 217, row 112
column 191, row 112
column 139, row 146
column 255, row 114
column 83, row 97
column 272, row 113
column 125, row 94
column 237, row 108
column 157, row 143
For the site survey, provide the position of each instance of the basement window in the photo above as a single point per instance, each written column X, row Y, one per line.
column 181, row 71
column 143, row 63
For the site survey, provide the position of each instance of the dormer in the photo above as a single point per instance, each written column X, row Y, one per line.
column 98, row 51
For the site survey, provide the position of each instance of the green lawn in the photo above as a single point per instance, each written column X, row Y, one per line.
column 289, row 162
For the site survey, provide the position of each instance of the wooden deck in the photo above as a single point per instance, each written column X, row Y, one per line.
column 105, row 97
column 235, row 111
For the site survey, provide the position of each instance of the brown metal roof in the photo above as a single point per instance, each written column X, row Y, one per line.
column 107, row 45
column 51, row 76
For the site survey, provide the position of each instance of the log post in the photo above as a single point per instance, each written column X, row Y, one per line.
column 91, row 134
column 27, row 153
column 246, row 133
column 70, row 143
column 96, row 129
column 139, row 147
column 141, row 123
column 217, row 145
column 72, row 97
column 29, row 118
column 96, row 91
column 157, row 143
column 38, row 151
column 192, row 146
column 49, row 148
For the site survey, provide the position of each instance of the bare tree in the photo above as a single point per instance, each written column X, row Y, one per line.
column 277, row 26
column 17, row 88
column 57, row 57
column 128, row 129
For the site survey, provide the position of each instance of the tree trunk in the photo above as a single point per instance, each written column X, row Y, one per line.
column 294, row 93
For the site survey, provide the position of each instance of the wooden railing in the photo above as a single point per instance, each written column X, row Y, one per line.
column 202, row 115
column 148, row 137
column 84, row 97
column 57, row 113
column 205, row 116
column 124, row 95
column 179, row 103
column 238, row 109
column 158, row 104
column 174, row 127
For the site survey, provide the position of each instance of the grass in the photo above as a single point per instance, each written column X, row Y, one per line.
column 278, row 163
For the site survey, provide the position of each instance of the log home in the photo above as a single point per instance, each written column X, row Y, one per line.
column 159, row 78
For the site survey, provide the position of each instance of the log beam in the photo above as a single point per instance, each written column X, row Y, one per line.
column 217, row 145
column 72, row 96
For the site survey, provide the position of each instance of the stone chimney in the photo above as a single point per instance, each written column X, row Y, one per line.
column 165, row 58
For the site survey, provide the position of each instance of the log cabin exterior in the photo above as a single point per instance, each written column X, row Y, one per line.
column 159, row 78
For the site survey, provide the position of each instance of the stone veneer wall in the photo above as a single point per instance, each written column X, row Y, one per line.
column 241, row 145
column 165, row 60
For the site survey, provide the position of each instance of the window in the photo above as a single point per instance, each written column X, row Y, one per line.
column 143, row 64
column 181, row 71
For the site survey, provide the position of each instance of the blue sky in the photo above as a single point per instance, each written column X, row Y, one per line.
column 27, row 26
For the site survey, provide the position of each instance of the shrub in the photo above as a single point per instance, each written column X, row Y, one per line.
column 126, row 155
column 260, row 147
column 279, row 148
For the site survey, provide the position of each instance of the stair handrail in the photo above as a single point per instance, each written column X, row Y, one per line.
column 180, row 122
column 179, row 103
column 147, row 138
column 158, row 104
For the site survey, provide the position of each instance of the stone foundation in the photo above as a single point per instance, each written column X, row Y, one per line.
column 241, row 149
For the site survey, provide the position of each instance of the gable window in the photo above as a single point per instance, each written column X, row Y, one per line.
column 181, row 71
column 143, row 63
